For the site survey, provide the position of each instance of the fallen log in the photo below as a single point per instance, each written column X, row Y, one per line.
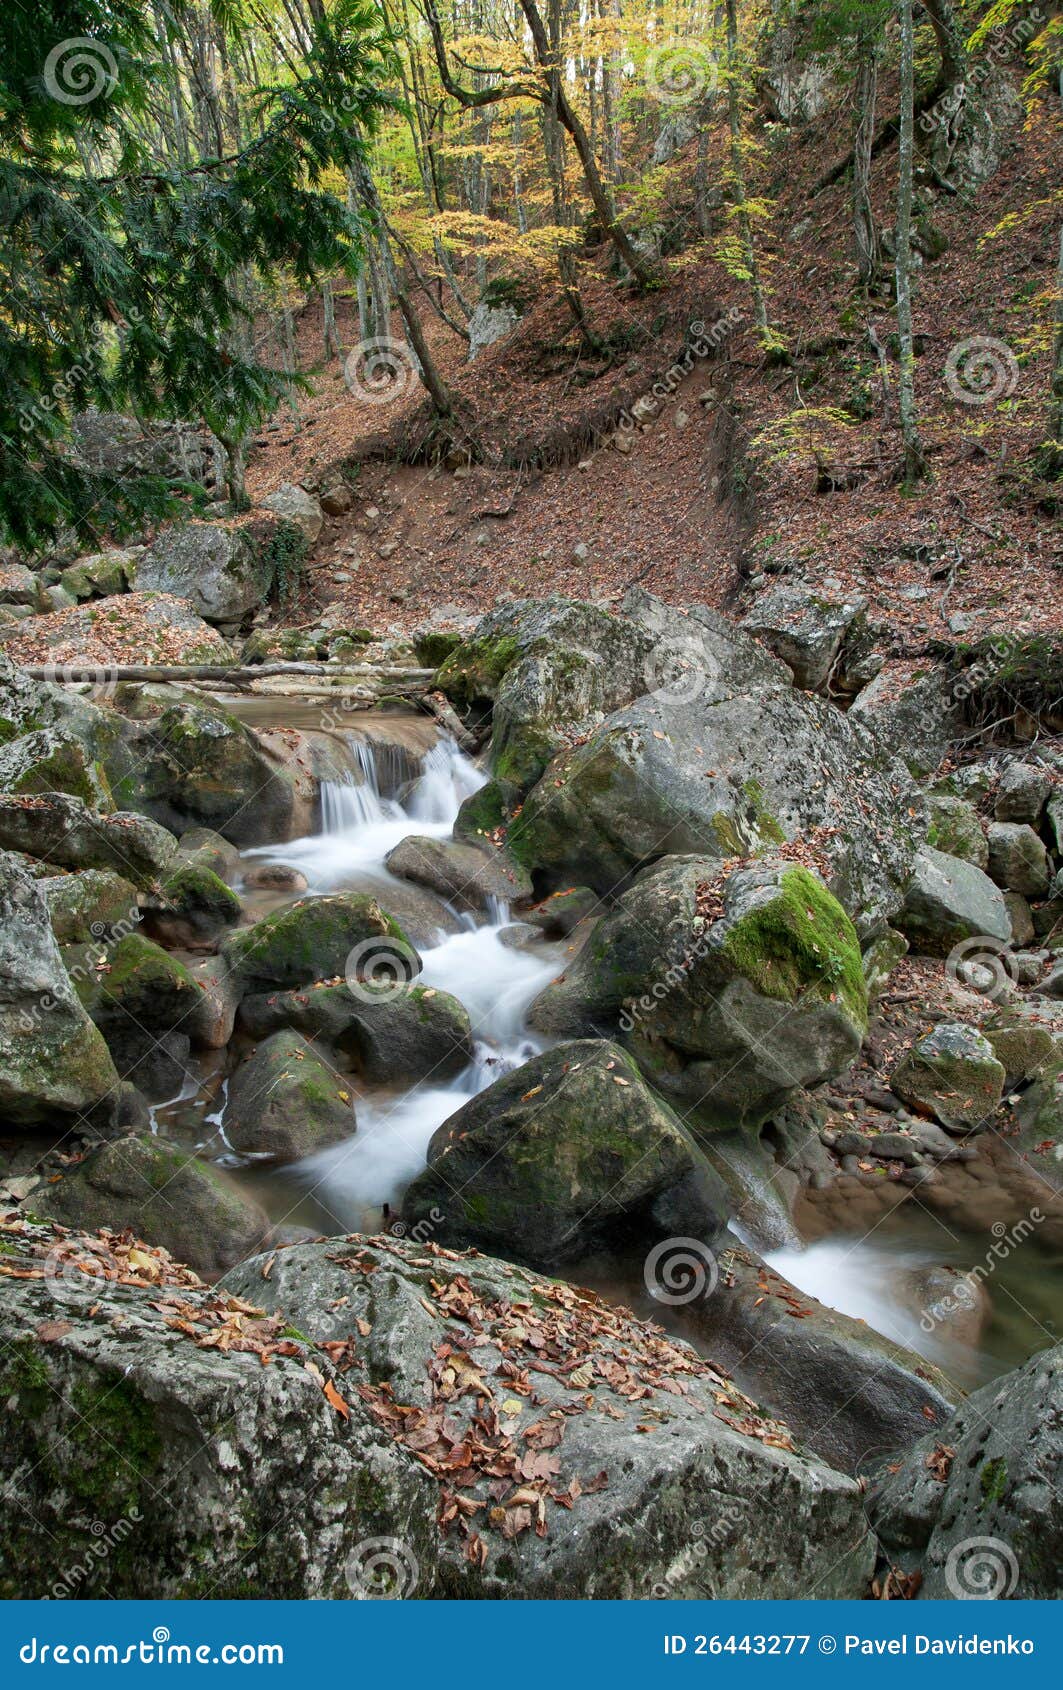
column 238, row 673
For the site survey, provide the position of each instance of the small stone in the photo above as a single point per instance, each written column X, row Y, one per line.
column 1021, row 794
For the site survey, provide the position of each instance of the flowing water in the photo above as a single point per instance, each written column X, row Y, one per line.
column 345, row 1187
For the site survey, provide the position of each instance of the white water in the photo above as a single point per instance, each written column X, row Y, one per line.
column 495, row 982
column 360, row 827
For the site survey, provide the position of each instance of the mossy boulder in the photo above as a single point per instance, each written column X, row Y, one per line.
column 45, row 761
column 467, row 876
column 955, row 828
column 150, row 1009
column 99, row 575
column 988, row 1523
column 54, row 1066
column 487, row 810
column 733, row 771
column 163, row 1195
column 881, row 957
column 221, row 569
column 89, row 905
column 285, row 1101
column 953, row 1075
column 203, row 846
column 60, row 829
column 1025, row 1040
column 196, row 765
column 568, row 1151
column 547, row 669
column 391, row 1036
column 193, row 909
column 313, row 940
column 731, row 992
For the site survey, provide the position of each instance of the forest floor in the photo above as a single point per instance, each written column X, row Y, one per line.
column 752, row 467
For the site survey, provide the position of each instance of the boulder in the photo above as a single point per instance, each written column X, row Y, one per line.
column 221, row 569
column 561, row 913
column 730, row 995
column 956, row 830
column 54, row 1066
column 170, row 1199
column 465, row 875
column 192, row 909
column 587, row 1550
column 100, row 575
column 47, row 761
column 548, row 668
column 727, row 774
column 488, row 324
column 803, row 628
column 148, row 1007
column 118, row 446
column 207, row 849
column 18, row 585
column 218, row 1448
column 296, row 506
column 986, row 1521
column 29, row 706
column 91, row 905
column 1018, row 861
column 62, row 830
column 952, row 1074
column 948, row 901
column 196, row 765
column 568, row 1152
column 851, row 1394
column 138, row 627
column 285, row 1101
column 319, row 939
column 391, row 1037
column 1025, row 1040
column 916, row 715
column 1022, row 793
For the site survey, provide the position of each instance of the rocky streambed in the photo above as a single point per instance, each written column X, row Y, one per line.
column 686, row 993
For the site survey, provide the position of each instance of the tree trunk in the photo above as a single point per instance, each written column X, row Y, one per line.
column 1052, row 455
column 734, row 117
column 865, row 234
column 914, row 463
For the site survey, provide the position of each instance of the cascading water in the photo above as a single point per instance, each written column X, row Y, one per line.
column 495, row 982
column 359, row 826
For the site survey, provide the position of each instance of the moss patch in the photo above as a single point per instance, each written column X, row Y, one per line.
column 800, row 942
